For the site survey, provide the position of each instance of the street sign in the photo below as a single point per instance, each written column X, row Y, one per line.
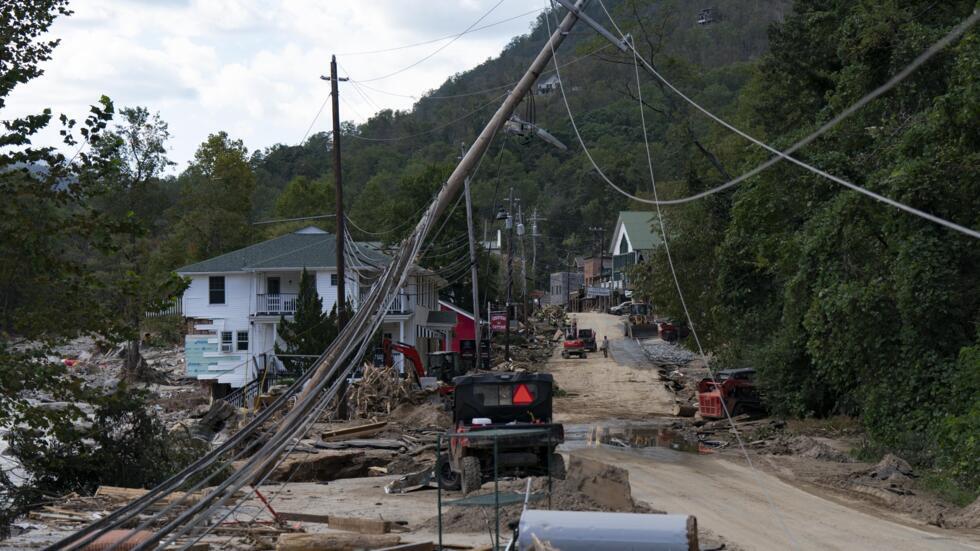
column 498, row 321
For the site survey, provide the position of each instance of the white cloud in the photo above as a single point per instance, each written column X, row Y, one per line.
column 252, row 67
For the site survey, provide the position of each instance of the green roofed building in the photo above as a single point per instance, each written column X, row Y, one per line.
column 634, row 238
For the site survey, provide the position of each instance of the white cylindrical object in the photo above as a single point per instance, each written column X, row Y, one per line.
column 584, row 531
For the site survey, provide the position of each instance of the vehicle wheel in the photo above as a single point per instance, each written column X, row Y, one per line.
column 564, row 354
column 584, row 356
column 557, row 466
column 472, row 478
column 738, row 409
column 449, row 478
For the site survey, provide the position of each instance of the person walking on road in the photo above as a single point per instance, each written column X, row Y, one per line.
column 605, row 346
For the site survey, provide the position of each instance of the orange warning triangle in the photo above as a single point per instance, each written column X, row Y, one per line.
column 522, row 396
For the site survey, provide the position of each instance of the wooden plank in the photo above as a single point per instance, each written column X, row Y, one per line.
column 350, row 432
column 304, row 517
column 360, row 525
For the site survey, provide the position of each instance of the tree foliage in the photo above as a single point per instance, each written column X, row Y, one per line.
column 311, row 330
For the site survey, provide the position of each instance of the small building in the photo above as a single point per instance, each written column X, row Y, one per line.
column 633, row 241
column 463, row 330
column 548, row 84
column 597, row 272
column 234, row 302
column 562, row 284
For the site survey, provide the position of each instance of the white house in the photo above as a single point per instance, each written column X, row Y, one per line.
column 235, row 301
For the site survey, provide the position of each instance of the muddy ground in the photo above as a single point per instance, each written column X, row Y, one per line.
column 803, row 489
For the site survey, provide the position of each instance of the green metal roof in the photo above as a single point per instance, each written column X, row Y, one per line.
column 639, row 228
column 308, row 248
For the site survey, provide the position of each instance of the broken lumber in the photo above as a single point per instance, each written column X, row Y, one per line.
column 304, row 517
column 350, row 432
column 683, row 410
column 377, row 443
column 347, row 524
column 335, row 541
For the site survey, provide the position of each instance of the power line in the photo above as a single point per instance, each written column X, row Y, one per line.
column 731, row 421
column 687, row 312
column 317, row 116
column 437, row 50
column 780, row 155
column 280, row 220
column 431, row 130
column 485, row 90
column 431, row 41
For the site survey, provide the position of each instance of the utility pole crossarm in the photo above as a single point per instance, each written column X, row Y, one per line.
column 622, row 44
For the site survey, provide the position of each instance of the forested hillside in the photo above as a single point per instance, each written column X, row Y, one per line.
column 845, row 305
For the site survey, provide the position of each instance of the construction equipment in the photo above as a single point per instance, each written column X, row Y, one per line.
column 671, row 331
column 732, row 389
column 442, row 365
column 573, row 346
column 445, row 366
column 587, row 336
column 640, row 322
column 502, row 423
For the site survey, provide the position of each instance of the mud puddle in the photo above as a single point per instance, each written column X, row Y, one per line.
column 643, row 438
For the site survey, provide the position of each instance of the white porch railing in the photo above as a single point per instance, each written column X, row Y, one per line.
column 281, row 303
column 401, row 305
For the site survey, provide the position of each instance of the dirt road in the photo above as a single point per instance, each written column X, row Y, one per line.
column 726, row 496
column 601, row 388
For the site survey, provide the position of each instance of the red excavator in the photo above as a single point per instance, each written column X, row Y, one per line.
column 732, row 389
column 442, row 365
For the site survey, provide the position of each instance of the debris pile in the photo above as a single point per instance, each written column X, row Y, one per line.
column 665, row 354
column 807, row 446
column 379, row 391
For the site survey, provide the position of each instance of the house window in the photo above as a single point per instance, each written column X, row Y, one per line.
column 242, row 342
column 216, row 290
column 623, row 246
column 226, row 341
column 333, row 280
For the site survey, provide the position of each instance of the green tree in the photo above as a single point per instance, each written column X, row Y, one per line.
column 312, row 330
column 303, row 197
column 213, row 215
column 50, row 227
column 128, row 198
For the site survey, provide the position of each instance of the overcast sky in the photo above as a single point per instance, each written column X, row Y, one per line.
column 252, row 67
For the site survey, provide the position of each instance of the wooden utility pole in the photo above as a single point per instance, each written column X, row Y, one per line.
column 510, row 271
column 339, row 189
column 474, row 268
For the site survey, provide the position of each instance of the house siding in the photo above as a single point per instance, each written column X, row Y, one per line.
column 205, row 359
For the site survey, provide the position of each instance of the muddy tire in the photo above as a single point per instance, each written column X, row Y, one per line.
column 557, row 466
column 472, row 478
column 450, row 479
column 564, row 354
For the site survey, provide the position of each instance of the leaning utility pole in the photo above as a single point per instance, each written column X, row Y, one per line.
column 474, row 268
column 339, row 188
